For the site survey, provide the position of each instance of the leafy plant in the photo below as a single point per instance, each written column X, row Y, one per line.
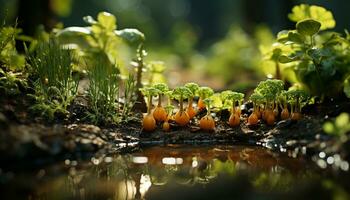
column 207, row 122
column 100, row 39
column 257, row 100
column 103, row 93
column 297, row 100
column 203, row 93
column 193, row 87
column 11, row 63
column 159, row 112
column 234, row 98
column 270, row 90
column 181, row 93
column 319, row 58
column 148, row 122
column 54, row 85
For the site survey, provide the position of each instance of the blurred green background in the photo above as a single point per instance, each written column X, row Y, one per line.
column 212, row 42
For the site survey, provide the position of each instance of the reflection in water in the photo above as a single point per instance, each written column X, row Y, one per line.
column 148, row 172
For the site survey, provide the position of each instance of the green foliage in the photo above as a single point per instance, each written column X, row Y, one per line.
column 297, row 99
column 270, row 89
column 193, row 87
column 205, row 92
column 149, row 92
column 154, row 72
column 161, row 87
column 100, row 39
column 9, row 56
column 317, row 13
column 339, row 127
column 319, row 60
column 11, row 63
column 129, row 98
column 103, row 93
column 308, row 27
column 236, row 53
column 54, row 86
column 181, row 93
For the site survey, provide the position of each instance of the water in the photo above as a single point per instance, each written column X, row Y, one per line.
column 174, row 172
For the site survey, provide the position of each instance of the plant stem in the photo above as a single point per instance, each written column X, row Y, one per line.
column 181, row 104
column 159, row 100
column 278, row 71
column 149, row 104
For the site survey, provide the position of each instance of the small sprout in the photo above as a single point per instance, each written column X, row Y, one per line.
column 149, row 123
column 282, row 99
column 203, row 93
column 234, row 98
column 297, row 100
column 193, row 87
column 270, row 90
column 159, row 112
column 180, row 94
column 257, row 99
column 207, row 122
column 166, row 125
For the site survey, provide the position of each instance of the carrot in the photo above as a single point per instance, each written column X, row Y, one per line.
column 207, row 122
column 253, row 119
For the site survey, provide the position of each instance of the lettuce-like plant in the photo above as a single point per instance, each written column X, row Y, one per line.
column 159, row 112
column 148, row 122
column 235, row 99
column 297, row 100
column 320, row 58
column 203, row 93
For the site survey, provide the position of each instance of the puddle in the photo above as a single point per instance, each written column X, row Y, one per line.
column 171, row 172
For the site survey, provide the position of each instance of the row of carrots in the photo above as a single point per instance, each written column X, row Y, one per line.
column 268, row 98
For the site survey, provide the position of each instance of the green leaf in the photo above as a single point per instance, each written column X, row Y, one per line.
column 295, row 37
column 74, row 36
column 285, row 59
column 308, row 27
column 107, row 20
column 282, row 36
column 318, row 13
column 90, row 20
column 131, row 35
column 347, row 87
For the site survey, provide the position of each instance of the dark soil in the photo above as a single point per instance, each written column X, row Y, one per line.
column 33, row 140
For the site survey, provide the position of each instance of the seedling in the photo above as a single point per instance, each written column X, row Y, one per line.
column 235, row 98
column 103, row 93
column 159, row 113
column 166, row 125
column 148, row 122
column 54, row 87
column 257, row 100
column 297, row 99
column 207, row 122
column 282, row 99
column 203, row 93
column 270, row 90
column 193, row 87
column 318, row 57
column 180, row 94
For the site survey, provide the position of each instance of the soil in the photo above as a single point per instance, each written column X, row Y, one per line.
column 33, row 141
